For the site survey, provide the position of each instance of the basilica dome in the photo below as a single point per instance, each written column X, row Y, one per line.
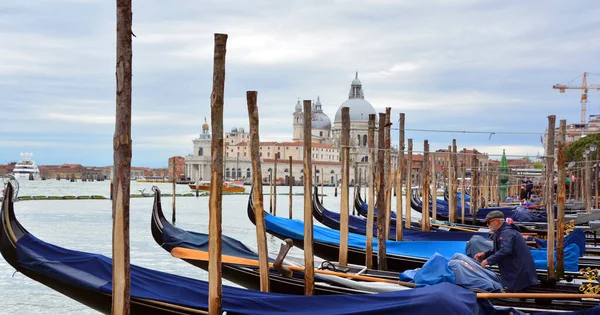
column 360, row 109
column 319, row 119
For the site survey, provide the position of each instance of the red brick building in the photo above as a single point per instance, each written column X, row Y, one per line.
column 179, row 162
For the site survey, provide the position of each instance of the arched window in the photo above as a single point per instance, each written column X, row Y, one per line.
column 200, row 151
column 286, row 170
column 364, row 140
column 248, row 173
column 227, row 173
column 239, row 173
column 358, row 140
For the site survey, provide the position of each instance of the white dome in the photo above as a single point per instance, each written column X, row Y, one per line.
column 298, row 106
column 356, row 81
column 359, row 110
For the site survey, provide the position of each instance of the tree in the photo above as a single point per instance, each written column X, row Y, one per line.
column 575, row 150
column 537, row 165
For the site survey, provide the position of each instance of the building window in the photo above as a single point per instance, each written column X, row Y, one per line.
column 260, row 154
column 364, row 140
column 268, row 154
column 227, row 173
column 248, row 173
column 296, row 148
column 320, row 133
column 239, row 173
column 359, row 139
column 201, row 151
column 244, row 154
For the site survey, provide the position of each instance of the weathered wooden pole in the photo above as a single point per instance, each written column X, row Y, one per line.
column 291, row 179
column 381, row 206
column 309, row 262
column 587, row 184
column 174, row 193
column 371, row 200
column 399, row 209
column 561, row 199
column 271, row 191
column 197, row 185
column 474, row 187
column 257, row 196
column 275, row 185
column 550, row 200
column 216, row 180
column 356, row 189
column 463, row 189
column 122, row 163
column 434, row 188
column 426, row 178
column 596, row 178
column 344, row 207
column 452, row 204
column 408, row 208
column 388, row 171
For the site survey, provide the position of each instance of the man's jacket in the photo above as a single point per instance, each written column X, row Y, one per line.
column 513, row 257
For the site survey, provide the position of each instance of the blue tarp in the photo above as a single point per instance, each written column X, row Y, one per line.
column 358, row 225
column 94, row 272
column 540, row 257
column 434, row 271
column 424, row 249
column 577, row 237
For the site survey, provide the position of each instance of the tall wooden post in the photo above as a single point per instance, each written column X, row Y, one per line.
column 322, row 180
column 122, row 163
column 344, row 208
column 216, row 177
column 596, row 178
column 550, row 201
column 371, row 200
column 434, row 188
column 271, row 191
column 291, row 179
column 587, row 185
column 356, row 185
column 381, row 206
column 309, row 263
column 426, row 193
column 561, row 199
column 275, row 184
column 388, row 171
column 399, row 209
column 174, row 193
column 257, row 196
column 452, row 204
column 474, row 187
column 407, row 214
column 463, row 189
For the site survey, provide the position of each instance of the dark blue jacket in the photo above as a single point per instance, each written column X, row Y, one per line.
column 510, row 252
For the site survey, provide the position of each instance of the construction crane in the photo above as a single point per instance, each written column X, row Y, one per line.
column 585, row 87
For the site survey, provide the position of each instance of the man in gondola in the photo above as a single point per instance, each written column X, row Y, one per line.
column 510, row 252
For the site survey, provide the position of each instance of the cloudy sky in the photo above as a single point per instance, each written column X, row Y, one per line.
column 447, row 64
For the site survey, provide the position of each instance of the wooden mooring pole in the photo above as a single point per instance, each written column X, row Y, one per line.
column 275, row 185
column 434, row 188
column 453, row 194
column 216, row 178
column 561, row 199
column 388, row 171
column 425, row 225
column 399, row 195
column 122, row 152
column 408, row 208
column 309, row 263
column 371, row 200
column 474, row 187
column 173, row 219
column 344, row 208
column 257, row 196
column 381, row 206
column 550, row 200
column 463, row 188
column 291, row 180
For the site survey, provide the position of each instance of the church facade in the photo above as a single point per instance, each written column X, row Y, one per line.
column 326, row 141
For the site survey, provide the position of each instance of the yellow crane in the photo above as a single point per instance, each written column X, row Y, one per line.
column 584, row 87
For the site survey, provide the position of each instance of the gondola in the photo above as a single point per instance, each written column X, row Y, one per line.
column 87, row 278
column 168, row 237
column 400, row 255
column 358, row 225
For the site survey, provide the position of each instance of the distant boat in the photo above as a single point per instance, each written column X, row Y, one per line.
column 26, row 169
column 154, row 179
column 231, row 187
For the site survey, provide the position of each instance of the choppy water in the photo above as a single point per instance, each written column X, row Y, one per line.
column 86, row 225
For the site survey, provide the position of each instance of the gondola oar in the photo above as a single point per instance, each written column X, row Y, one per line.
column 186, row 253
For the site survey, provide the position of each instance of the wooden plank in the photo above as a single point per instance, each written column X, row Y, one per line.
column 344, row 207
column 380, row 205
column 561, row 199
column 291, row 180
column 309, row 262
column 371, row 201
column 399, row 209
column 550, row 199
column 215, row 299
column 122, row 152
column 408, row 208
column 257, row 196
column 425, row 224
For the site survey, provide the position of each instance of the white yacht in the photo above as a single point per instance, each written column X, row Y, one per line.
column 26, row 169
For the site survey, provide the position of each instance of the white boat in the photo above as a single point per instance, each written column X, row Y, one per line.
column 26, row 169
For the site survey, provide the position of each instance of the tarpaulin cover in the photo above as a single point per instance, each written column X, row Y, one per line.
column 434, row 271
column 577, row 237
column 358, row 225
column 469, row 274
column 478, row 244
column 94, row 272
column 423, row 249
column 540, row 257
